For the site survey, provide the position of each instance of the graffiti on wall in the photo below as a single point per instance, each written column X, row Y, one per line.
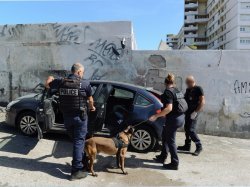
column 241, row 87
column 66, row 33
column 12, row 30
column 104, row 53
column 245, row 115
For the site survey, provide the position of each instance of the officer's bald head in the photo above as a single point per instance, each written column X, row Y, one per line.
column 190, row 81
column 77, row 69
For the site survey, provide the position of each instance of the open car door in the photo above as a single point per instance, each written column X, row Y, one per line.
column 45, row 112
column 97, row 118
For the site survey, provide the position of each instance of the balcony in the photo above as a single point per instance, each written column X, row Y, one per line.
column 191, row 28
column 200, row 41
column 191, row 35
column 197, row 19
column 172, row 41
column 191, row 12
column 191, row 5
column 201, row 18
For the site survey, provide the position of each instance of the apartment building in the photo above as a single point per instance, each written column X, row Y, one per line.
column 216, row 24
column 176, row 41
column 172, row 41
column 195, row 22
column 229, row 24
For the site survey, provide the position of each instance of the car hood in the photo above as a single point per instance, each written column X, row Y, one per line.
column 30, row 96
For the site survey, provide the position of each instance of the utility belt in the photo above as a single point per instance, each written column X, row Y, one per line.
column 83, row 113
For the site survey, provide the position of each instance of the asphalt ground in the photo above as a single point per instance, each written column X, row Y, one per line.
column 25, row 161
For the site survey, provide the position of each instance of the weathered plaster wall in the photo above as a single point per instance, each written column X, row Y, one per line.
column 29, row 53
column 224, row 75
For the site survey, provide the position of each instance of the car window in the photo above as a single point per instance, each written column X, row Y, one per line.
column 94, row 88
column 103, row 94
column 101, row 98
column 122, row 93
column 142, row 101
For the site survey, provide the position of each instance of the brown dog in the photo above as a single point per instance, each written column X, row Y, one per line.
column 111, row 146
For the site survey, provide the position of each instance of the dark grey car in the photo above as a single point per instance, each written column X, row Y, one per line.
column 118, row 104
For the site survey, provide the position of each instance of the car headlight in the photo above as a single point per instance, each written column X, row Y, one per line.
column 11, row 104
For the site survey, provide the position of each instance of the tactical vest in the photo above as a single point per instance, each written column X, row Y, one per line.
column 72, row 100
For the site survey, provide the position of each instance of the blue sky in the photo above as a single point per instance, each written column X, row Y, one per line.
column 152, row 19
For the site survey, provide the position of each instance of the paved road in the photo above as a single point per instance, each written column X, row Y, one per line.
column 24, row 161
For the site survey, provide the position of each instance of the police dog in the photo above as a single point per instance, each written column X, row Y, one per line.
column 110, row 146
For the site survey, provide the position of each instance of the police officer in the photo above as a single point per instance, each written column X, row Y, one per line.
column 174, row 120
column 74, row 92
column 195, row 98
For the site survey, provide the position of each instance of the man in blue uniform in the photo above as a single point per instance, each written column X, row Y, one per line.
column 195, row 99
column 74, row 95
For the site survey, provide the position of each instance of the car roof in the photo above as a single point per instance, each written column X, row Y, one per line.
column 123, row 84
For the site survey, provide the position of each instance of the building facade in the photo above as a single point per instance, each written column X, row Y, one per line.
column 172, row 41
column 195, row 23
column 216, row 24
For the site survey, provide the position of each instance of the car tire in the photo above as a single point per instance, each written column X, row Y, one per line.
column 143, row 140
column 26, row 123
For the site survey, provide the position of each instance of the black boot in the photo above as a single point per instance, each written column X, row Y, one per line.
column 160, row 158
column 171, row 166
column 197, row 151
column 78, row 175
column 186, row 147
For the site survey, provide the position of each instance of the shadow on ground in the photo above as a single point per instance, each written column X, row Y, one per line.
column 53, row 169
column 17, row 143
column 14, row 142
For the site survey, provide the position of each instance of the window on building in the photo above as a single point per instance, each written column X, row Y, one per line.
column 245, row 5
column 245, row 29
column 245, row 41
column 211, row 45
column 242, row 29
column 245, row 17
column 221, row 47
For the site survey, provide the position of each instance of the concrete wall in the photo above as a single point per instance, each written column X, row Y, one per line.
column 30, row 53
column 224, row 75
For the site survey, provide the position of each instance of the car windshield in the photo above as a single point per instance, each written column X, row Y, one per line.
column 39, row 88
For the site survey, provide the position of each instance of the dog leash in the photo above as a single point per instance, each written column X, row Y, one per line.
column 140, row 123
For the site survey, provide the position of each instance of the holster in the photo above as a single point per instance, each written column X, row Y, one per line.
column 83, row 113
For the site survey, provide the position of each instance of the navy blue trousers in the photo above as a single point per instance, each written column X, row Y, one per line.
column 190, row 130
column 77, row 129
column 173, row 122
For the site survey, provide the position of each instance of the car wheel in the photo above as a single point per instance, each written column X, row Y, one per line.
column 27, row 123
column 143, row 140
